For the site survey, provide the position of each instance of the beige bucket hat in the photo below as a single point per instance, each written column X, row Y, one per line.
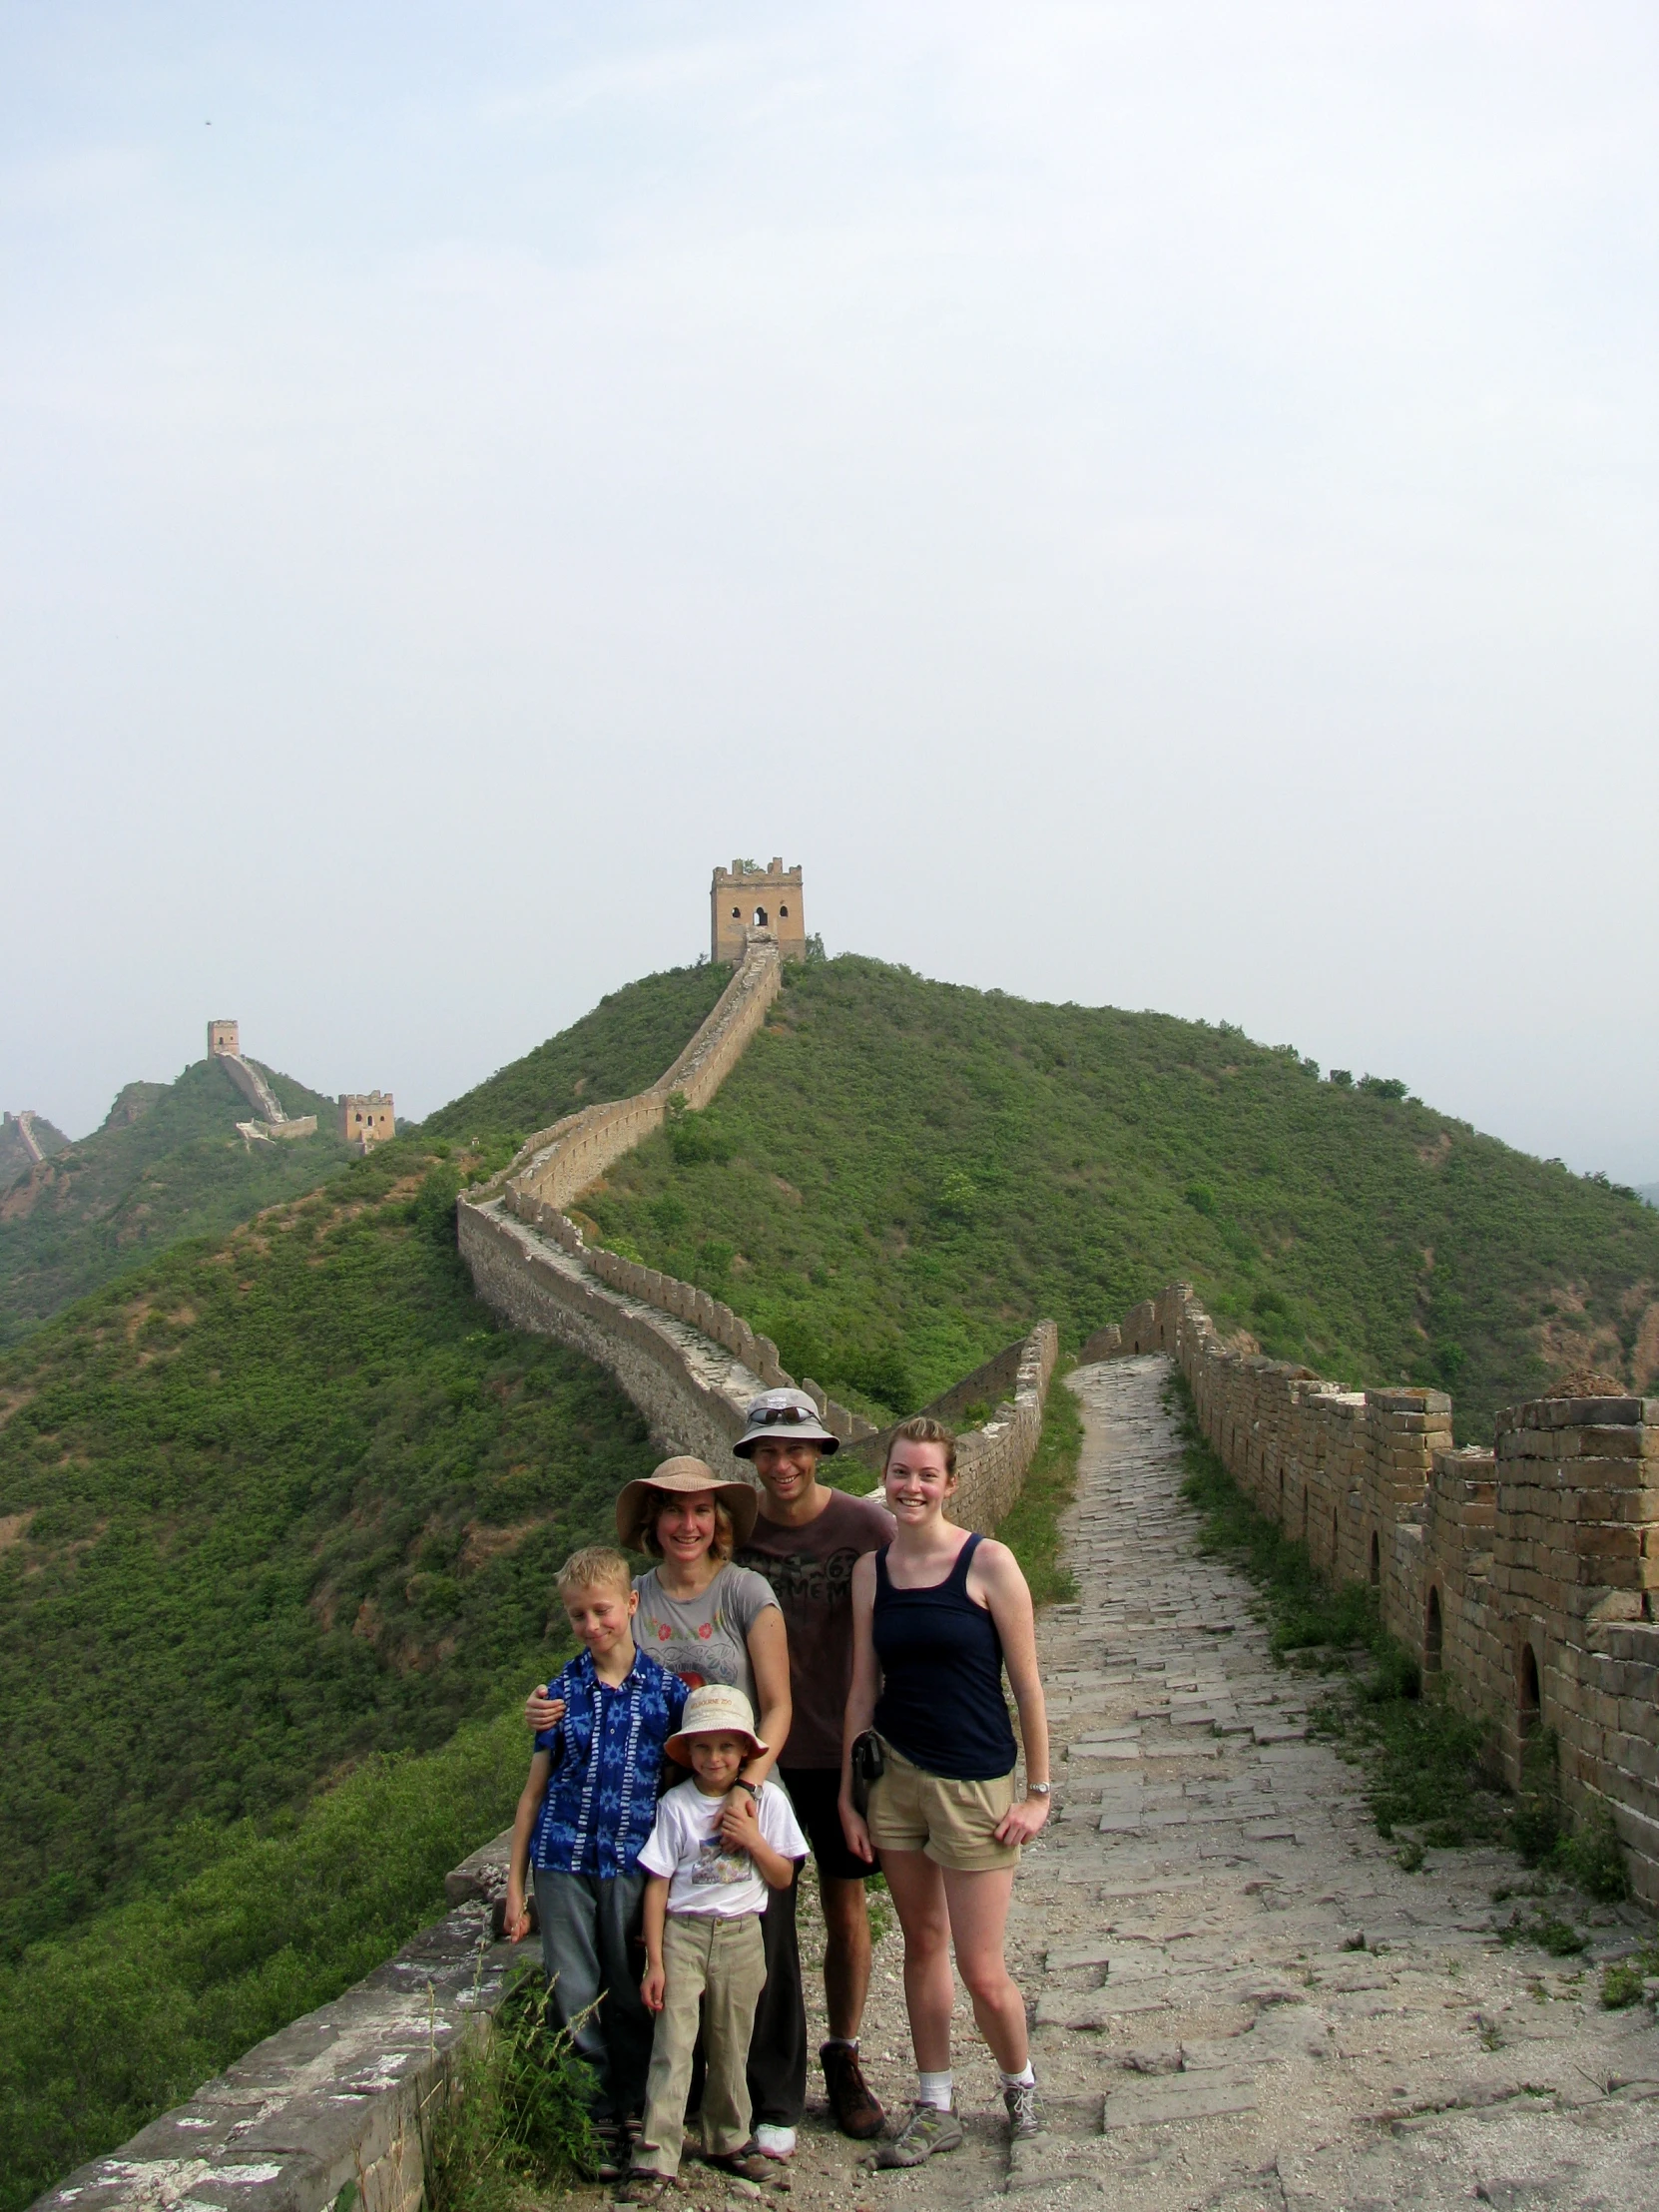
column 788, row 1418
column 717, row 1709
column 683, row 1478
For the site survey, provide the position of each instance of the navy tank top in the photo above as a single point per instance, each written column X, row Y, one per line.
column 942, row 1700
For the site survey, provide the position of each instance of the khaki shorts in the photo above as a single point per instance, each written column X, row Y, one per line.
column 953, row 1822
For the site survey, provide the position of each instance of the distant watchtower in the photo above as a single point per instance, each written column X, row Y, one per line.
column 746, row 898
column 223, row 1037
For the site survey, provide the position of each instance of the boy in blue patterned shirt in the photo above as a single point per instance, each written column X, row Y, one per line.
column 584, row 1817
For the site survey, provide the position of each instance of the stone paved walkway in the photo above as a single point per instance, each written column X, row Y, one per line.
column 1209, row 2032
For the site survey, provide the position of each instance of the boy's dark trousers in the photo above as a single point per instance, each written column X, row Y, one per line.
column 590, row 1932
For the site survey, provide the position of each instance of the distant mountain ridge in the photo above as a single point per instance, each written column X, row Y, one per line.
column 23, row 1138
column 167, row 1163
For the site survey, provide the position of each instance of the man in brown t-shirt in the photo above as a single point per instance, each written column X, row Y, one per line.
column 805, row 1541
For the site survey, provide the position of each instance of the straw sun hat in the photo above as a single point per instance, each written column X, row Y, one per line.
column 683, row 1478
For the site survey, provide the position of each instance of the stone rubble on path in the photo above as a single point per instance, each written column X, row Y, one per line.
column 1207, row 2032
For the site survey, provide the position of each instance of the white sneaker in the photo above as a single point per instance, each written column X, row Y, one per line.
column 774, row 2142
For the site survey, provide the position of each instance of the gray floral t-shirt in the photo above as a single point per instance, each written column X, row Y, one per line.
column 704, row 1639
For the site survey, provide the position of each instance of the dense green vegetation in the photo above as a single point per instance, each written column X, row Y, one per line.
column 275, row 1506
column 101, row 2030
column 167, row 1163
column 899, row 1175
column 275, row 1503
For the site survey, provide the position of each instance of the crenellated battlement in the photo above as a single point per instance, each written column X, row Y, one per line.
column 1526, row 1575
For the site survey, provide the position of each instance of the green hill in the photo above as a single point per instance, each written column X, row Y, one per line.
column 283, row 1504
column 167, row 1163
column 902, row 1173
column 272, row 1504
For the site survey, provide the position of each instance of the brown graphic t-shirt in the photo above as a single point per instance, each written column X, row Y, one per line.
column 811, row 1572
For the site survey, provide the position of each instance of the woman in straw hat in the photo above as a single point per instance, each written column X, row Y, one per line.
column 706, row 1620
column 699, row 1616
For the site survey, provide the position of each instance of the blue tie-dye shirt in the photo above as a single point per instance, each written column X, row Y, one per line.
column 601, row 1800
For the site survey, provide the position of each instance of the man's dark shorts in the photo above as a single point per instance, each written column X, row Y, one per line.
column 813, row 1791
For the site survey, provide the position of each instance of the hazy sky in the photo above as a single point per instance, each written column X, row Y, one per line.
column 1151, row 504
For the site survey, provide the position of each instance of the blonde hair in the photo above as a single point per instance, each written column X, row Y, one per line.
column 922, row 1429
column 726, row 1537
column 595, row 1568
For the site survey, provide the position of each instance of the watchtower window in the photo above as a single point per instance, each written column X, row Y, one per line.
column 737, row 914
column 1375, row 1561
column 760, row 917
column 782, row 913
column 1434, row 1634
column 1531, row 1704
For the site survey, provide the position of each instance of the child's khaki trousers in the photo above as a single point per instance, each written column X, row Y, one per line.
column 721, row 1963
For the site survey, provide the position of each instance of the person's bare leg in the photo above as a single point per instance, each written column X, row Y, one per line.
column 846, row 1956
column 977, row 1908
column 918, row 1897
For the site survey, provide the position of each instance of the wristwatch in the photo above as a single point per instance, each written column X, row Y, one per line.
column 754, row 1788
column 1039, row 1789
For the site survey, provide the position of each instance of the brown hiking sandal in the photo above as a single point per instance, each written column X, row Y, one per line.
column 857, row 2109
column 741, row 2165
column 646, row 2188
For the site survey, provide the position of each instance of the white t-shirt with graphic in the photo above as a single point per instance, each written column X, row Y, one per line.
column 705, row 1875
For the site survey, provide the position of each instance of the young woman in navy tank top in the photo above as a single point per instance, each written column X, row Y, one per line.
column 937, row 1614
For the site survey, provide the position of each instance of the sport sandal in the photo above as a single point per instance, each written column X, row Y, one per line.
column 647, row 2188
column 929, row 2130
column 741, row 2165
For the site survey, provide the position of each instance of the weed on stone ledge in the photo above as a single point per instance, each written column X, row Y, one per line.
column 1624, row 1980
column 515, row 2124
column 1548, row 1930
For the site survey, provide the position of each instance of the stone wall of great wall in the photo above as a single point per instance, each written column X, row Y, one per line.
column 1524, row 1576
column 686, row 1358
column 342, row 2096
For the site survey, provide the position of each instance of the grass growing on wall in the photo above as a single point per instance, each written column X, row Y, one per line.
column 1031, row 1527
column 900, row 1176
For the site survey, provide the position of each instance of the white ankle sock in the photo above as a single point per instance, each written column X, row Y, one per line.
column 934, row 2089
column 1024, row 2080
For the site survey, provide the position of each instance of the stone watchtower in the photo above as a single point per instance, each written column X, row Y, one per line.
column 366, row 1118
column 223, row 1037
column 750, row 897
